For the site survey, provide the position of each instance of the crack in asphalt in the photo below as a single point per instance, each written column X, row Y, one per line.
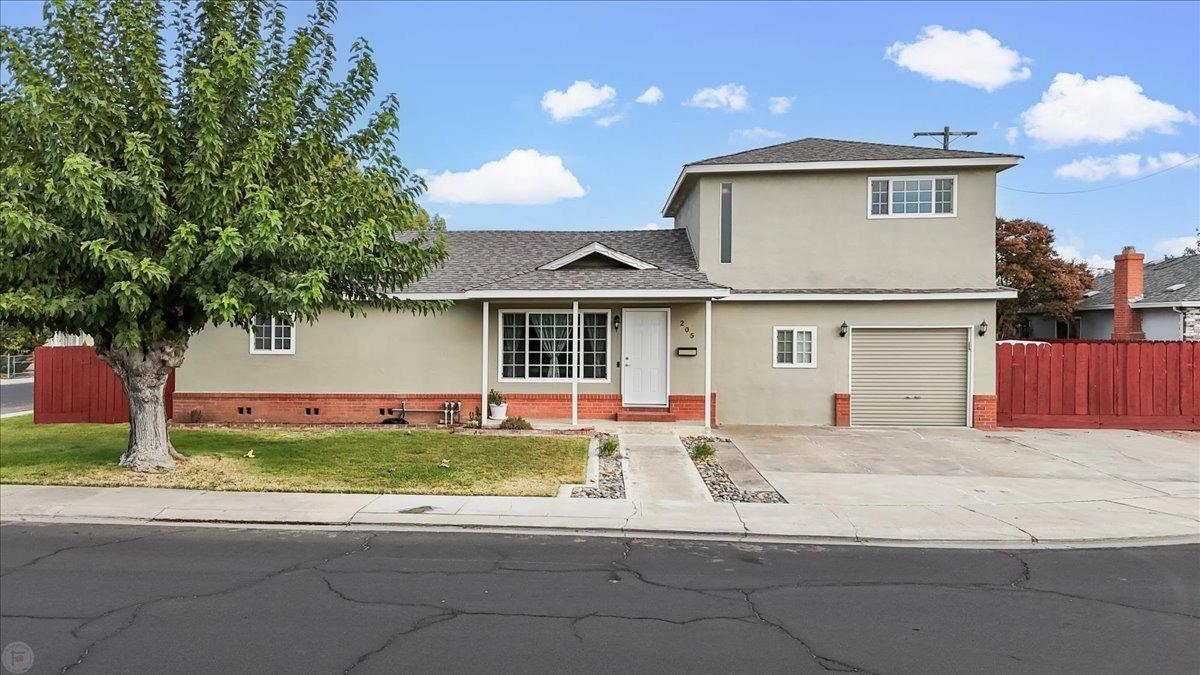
column 75, row 547
column 136, row 608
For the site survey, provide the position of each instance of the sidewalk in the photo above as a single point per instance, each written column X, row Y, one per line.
column 1138, row 521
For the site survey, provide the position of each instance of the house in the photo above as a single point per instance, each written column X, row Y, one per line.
column 1136, row 301
column 810, row 282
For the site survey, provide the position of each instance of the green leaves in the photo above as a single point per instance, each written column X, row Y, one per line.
column 144, row 194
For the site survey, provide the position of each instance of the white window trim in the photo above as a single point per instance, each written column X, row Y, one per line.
column 775, row 346
column 291, row 350
column 597, row 247
column 546, row 310
column 883, row 216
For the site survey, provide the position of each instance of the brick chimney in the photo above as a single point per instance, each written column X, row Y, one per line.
column 1127, row 287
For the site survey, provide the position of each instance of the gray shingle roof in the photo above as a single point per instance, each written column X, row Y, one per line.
column 867, row 291
column 828, row 150
column 509, row 260
column 1158, row 277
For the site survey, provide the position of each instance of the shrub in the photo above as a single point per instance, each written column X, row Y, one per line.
column 703, row 451
column 194, row 415
column 495, row 397
column 609, row 446
column 515, row 423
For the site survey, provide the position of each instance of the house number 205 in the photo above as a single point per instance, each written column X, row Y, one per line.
column 686, row 330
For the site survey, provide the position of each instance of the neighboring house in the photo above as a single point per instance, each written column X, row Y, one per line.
column 1136, row 301
column 811, row 282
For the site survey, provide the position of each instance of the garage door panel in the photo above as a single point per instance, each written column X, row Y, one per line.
column 909, row 376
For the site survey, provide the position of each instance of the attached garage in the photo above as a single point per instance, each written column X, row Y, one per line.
column 910, row 376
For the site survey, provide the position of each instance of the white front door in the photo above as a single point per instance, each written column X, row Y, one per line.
column 644, row 357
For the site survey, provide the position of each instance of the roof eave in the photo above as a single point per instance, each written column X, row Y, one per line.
column 669, row 209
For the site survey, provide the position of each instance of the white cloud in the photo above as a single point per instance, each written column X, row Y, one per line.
column 579, row 99
column 973, row 58
column 727, row 96
column 1072, row 254
column 1174, row 245
column 1126, row 165
column 1104, row 110
column 1010, row 135
column 609, row 120
column 757, row 134
column 1098, row 168
column 653, row 226
column 650, row 96
column 521, row 177
column 780, row 104
column 1167, row 160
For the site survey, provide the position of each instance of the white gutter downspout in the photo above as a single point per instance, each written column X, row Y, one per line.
column 483, row 397
column 575, row 349
column 707, row 365
column 1182, row 312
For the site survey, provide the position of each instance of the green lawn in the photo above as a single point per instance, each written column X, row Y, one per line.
column 299, row 460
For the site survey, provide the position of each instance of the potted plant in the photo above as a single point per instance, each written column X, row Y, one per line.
column 497, row 406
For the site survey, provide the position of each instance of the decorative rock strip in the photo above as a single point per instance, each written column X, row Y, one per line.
column 612, row 478
column 719, row 483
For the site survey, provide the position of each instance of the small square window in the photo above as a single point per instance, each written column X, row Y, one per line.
column 272, row 336
column 795, row 346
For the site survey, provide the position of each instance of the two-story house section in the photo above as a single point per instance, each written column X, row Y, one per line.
column 812, row 282
column 870, row 268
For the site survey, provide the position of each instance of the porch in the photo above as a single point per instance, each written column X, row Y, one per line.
column 627, row 357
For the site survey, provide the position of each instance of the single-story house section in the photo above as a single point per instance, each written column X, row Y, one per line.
column 1136, row 301
column 813, row 282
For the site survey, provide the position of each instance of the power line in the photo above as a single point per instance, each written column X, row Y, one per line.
column 946, row 134
column 1102, row 187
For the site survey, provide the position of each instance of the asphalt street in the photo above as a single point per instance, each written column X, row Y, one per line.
column 150, row 599
column 16, row 397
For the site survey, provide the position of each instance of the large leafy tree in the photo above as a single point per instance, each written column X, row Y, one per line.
column 164, row 168
column 1045, row 283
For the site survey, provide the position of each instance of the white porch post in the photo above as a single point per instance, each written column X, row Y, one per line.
column 707, row 364
column 575, row 349
column 483, row 397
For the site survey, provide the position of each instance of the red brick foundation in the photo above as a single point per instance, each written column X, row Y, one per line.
column 841, row 410
column 983, row 412
column 364, row 408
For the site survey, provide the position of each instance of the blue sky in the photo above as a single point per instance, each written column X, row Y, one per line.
column 473, row 82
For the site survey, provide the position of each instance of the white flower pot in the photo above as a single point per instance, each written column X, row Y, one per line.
column 498, row 412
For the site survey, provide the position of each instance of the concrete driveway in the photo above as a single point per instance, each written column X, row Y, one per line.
column 964, row 467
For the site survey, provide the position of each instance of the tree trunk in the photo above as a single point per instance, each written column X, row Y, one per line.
column 143, row 374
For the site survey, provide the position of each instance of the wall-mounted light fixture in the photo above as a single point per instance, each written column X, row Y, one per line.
column 616, row 322
column 843, row 329
column 982, row 327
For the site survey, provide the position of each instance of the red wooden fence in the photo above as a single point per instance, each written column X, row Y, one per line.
column 1099, row 384
column 70, row 384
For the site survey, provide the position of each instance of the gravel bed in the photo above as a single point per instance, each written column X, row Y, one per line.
column 612, row 479
column 719, row 484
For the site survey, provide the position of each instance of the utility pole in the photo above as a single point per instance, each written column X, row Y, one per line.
column 945, row 133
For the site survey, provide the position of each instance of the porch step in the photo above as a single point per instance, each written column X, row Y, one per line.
column 646, row 415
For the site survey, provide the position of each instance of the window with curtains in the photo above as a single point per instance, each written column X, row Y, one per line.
column 539, row 345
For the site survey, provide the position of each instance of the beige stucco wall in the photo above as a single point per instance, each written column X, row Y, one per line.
column 688, row 217
column 810, row 230
column 390, row 353
column 751, row 391
column 380, row 353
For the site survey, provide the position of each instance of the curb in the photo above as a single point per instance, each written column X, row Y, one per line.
column 799, row 540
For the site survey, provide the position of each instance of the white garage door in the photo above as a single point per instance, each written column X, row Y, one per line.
column 909, row 376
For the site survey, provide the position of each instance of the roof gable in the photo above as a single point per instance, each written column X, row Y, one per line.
column 596, row 250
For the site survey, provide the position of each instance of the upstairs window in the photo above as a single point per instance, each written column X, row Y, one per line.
column 272, row 336
column 726, row 222
column 912, row 197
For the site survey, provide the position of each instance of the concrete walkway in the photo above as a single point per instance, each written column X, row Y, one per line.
column 1138, row 521
column 659, row 467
